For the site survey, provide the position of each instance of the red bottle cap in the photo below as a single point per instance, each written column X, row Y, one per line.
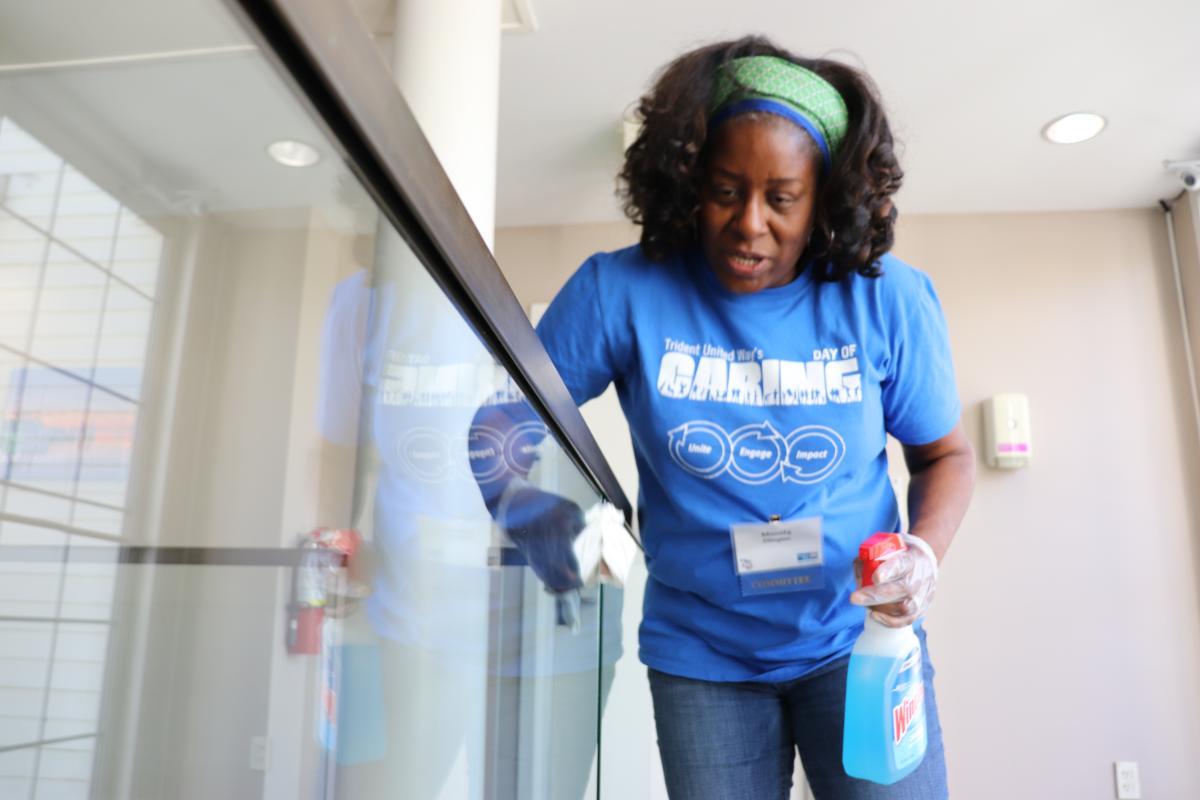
column 874, row 550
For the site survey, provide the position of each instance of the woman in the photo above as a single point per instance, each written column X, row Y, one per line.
column 763, row 341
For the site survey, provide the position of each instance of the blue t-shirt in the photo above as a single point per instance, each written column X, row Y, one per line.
column 745, row 406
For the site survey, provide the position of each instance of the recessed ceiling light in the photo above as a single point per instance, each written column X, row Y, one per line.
column 1074, row 128
column 293, row 154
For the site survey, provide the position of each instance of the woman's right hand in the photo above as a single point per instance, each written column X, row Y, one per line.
column 543, row 526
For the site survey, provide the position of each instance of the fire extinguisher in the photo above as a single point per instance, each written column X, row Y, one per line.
column 321, row 552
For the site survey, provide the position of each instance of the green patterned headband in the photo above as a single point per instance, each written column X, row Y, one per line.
column 777, row 86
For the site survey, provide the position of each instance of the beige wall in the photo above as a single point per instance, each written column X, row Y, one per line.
column 1074, row 581
column 1067, row 626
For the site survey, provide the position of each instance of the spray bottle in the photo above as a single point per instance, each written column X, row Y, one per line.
column 884, row 736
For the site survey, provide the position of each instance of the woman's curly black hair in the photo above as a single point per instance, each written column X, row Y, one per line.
column 660, row 183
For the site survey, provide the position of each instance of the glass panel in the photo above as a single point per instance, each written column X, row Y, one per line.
column 68, row 311
column 16, row 534
column 64, row 771
column 87, row 592
column 29, row 175
column 218, row 359
column 137, row 253
column 96, row 518
column 39, row 505
column 481, row 668
column 12, row 375
column 124, row 335
column 86, row 218
column 107, row 449
column 16, row 768
column 24, row 668
column 31, row 592
column 49, row 428
column 22, row 250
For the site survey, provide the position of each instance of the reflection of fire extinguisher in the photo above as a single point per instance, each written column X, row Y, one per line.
column 321, row 551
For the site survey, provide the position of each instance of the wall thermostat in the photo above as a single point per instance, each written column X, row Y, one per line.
column 1007, row 440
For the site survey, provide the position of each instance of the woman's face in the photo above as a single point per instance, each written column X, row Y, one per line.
column 756, row 201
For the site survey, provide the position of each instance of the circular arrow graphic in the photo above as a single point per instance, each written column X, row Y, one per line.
column 426, row 453
column 485, row 452
column 756, row 451
column 521, row 446
column 813, row 452
column 700, row 447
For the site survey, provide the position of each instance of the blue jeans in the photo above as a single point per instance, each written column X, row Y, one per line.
column 737, row 741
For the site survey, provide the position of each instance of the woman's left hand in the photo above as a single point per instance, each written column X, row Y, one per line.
column 902, row 586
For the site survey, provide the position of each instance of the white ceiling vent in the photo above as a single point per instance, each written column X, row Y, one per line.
column 518, row 17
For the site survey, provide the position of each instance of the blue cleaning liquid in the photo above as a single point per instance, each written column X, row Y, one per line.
column 884, row 738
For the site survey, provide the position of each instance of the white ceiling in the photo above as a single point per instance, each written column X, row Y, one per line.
column 968, row 86
column 181, row 128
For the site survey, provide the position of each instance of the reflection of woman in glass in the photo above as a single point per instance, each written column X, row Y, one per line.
column 421, row 693
column 763, row 343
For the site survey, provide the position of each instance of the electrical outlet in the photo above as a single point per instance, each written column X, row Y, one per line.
column 1129, row 785
column 260, row 753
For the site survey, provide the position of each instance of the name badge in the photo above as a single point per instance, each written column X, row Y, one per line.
column 778, row 556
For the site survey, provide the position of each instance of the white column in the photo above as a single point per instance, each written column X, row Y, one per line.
column 446, row 61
